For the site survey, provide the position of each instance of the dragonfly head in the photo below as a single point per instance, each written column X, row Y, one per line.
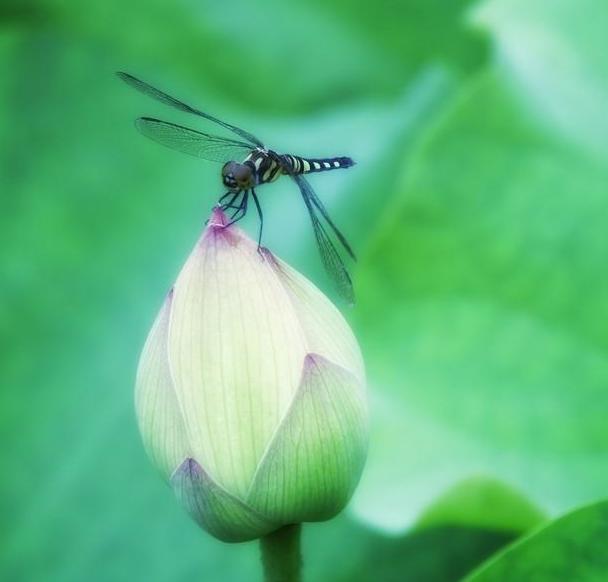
column 237, row 177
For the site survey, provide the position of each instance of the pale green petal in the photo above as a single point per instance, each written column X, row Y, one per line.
column 325, row 328
column 236, row 348
column 314, row 462
column 160, row 420
column 215, row 510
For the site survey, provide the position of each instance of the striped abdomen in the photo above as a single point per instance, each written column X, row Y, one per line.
column 266, row 168
column 308, row 165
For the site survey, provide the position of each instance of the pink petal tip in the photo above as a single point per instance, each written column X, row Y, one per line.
column 218, row 227
column 312, row 361
column 218, row 218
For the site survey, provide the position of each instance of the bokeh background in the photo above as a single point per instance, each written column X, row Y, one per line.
column 479, row 211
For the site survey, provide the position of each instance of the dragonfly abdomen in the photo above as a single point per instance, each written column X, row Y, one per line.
column 310, row 165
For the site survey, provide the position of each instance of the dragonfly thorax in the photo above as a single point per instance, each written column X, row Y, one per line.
column 237, row 177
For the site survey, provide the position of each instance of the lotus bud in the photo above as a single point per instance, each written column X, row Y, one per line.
column 250, row 392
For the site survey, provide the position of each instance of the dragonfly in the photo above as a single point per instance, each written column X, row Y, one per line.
column 247, row 164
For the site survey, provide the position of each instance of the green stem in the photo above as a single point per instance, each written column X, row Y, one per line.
column 281, row 556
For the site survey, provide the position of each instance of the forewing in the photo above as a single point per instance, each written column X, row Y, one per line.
column 329, row 255
column 173, row 102
column 192, row 142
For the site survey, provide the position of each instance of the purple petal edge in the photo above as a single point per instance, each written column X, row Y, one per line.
column 312, row 362
column 189, row 469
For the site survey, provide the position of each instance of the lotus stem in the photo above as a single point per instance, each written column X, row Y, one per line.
column 281, row 556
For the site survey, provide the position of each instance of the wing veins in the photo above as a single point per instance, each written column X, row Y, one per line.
column 330, row 257
column 159, row 95
column 192, row 142
column 321, row 208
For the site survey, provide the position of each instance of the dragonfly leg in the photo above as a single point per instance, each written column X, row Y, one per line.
column 241, row 211
column 230, row 203
column 261, row 215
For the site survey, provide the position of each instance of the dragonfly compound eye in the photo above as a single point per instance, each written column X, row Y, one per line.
column 228, row 175
column 243, row 175
column 238, row 176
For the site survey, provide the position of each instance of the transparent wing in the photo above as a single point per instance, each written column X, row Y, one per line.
column 307, row 190
column 173, row 102
column 329, row 255
column 192, row 142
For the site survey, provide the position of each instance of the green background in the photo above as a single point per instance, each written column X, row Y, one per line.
column 478, row 210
